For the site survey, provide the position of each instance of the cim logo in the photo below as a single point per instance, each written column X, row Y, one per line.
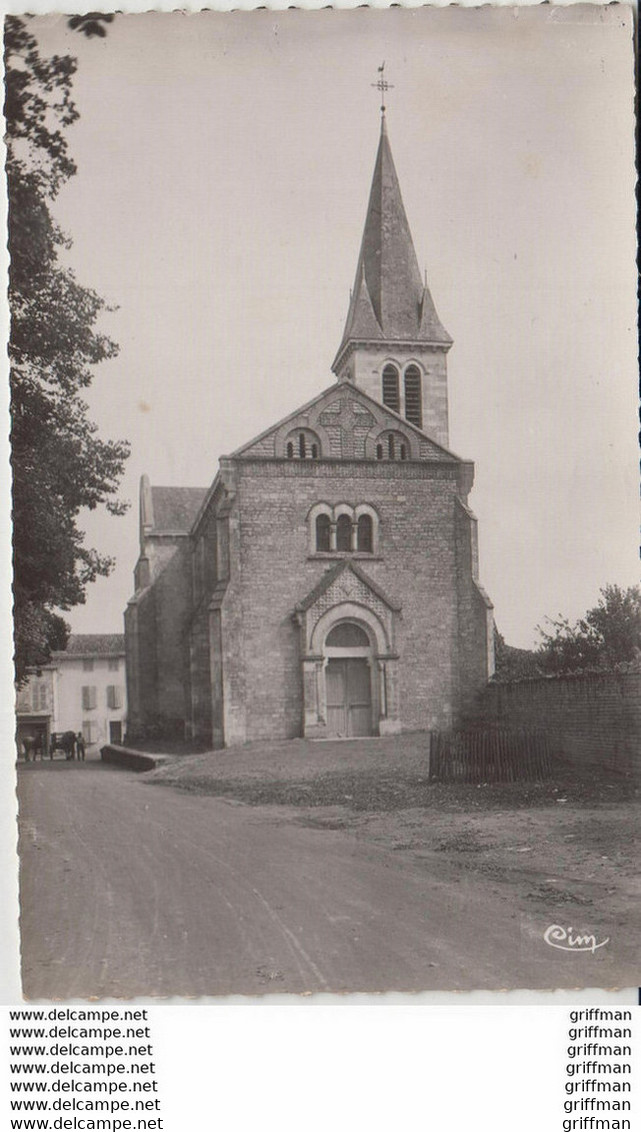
column 564, row 939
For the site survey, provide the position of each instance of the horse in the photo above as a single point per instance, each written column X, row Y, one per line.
column 63, row 741
column 32, row 744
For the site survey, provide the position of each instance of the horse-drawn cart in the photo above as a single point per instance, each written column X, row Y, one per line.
column 67, row 742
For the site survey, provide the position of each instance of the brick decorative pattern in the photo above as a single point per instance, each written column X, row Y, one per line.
column 348, row 427
column 352, row 470
column 348, row 588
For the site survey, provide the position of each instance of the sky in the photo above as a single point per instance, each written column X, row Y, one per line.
column 224, row 165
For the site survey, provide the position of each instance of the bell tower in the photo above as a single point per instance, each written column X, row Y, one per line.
column 394, row 346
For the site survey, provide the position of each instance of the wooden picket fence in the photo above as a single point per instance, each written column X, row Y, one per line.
column 489, row 755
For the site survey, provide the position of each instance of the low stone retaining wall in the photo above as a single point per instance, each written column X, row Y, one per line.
column 129, row 759
column 590, row 720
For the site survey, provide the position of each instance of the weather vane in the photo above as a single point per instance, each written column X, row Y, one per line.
column 382, row 85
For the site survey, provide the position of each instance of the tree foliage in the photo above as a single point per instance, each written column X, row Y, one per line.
column 607, row 638
column 91, row 23
column 60, row 465
column 512, row 663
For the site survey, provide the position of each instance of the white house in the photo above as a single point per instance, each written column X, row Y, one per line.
column 82, row 689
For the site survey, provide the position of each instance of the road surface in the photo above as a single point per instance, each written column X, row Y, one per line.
column 133, row 890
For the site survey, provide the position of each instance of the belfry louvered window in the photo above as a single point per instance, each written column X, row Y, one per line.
column 391, row 392
column 413, row 398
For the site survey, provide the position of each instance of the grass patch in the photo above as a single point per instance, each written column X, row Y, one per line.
column 381, row 775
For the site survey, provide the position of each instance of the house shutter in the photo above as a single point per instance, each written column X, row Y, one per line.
column 114, row 697
column 88, row 697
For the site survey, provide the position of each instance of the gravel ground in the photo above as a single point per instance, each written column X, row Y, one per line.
column 565, row 847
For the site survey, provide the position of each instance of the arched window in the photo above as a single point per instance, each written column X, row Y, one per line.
column 413, row 396
column 302, row 444
column 347, row 635
column 365, row 534
column 392, row 445
column 344, row 533
column 391, row 393
column 323, row 527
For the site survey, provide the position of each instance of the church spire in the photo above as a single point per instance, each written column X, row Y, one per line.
column 387, row 273
column 391, row 312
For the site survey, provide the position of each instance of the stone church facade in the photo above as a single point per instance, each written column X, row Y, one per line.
column 326, row 584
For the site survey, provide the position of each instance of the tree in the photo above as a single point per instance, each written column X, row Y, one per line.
column 607, row 637
column 59, row 464
column 512, row 663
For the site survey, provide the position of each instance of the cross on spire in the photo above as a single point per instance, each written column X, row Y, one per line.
column 382, row 85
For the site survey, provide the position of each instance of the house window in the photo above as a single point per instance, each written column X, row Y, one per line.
column 113, row 664
column 89, row 730
column 114, row 697
column 391, row 394
column 344, row 533
column 39, row 697
column 87, row 665
column 413, row 396
column 88, row 697
column 323, row 528
column 365, row 534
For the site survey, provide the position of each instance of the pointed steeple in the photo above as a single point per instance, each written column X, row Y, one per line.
column 389, row 302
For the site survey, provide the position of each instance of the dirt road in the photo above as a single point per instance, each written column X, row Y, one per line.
column 132, row 890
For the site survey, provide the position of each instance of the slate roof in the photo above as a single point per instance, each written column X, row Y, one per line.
column 175, row 508
column 389, row 299
column 93, row 644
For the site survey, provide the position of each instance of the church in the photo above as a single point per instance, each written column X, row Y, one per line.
column 326, row 584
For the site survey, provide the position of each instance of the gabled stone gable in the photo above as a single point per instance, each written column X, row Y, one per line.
column 347, row 585
column 345, row 424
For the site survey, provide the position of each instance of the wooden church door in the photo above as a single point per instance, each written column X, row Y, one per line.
column 349, row 698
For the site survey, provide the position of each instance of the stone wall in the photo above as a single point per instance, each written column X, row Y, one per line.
column 416, row 565
column 591, row 720
column 156, row 642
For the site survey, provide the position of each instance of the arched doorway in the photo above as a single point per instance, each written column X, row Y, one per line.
column 348, row 681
